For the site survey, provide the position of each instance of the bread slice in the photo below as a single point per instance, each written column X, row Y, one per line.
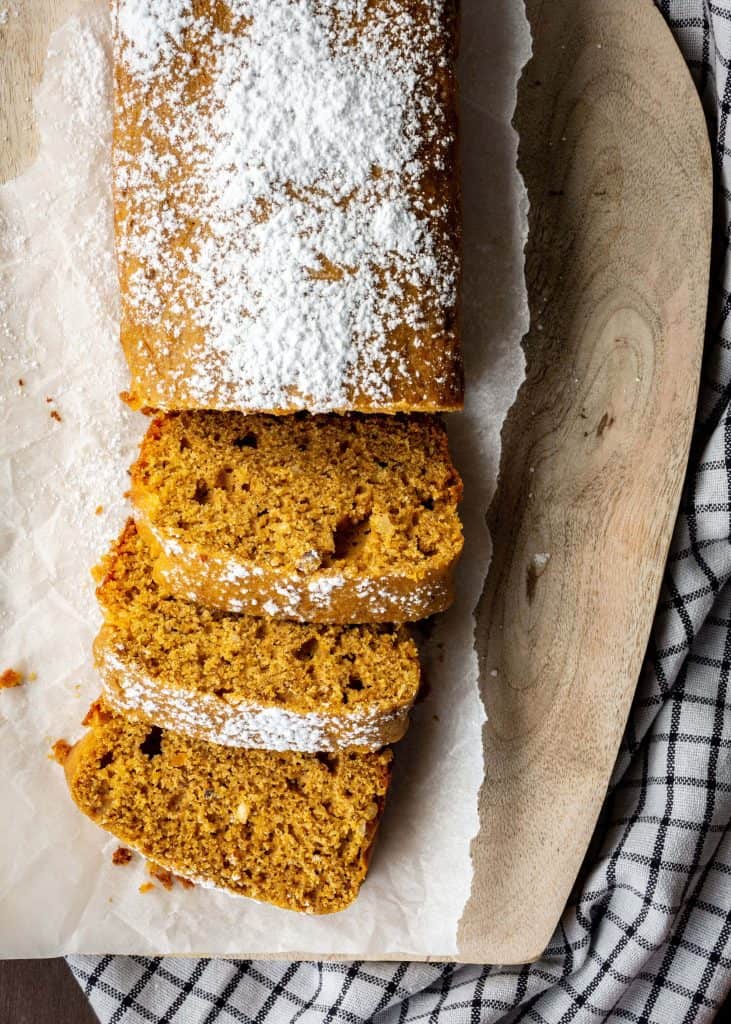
column 242, row 681
column 315, row 518
column 286, row 204
column 291, row 829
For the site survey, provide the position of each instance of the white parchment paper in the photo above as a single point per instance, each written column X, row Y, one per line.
column 62, row 489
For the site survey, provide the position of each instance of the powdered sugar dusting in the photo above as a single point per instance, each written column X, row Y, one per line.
column 242, row 586
column 151, row 31
column 277, row 205
column 66, row 438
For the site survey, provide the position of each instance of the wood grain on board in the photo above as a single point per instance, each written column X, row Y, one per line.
column 615, row 156
column 23, row 43
column 614, row 153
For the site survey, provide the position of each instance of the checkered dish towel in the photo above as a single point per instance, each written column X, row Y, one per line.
column 646, row 936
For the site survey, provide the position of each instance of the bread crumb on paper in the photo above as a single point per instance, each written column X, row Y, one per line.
column 122, row 855
column 10, row 678
column 166, row 878
column 163, row 876
column 146, row 887
column 56, row 416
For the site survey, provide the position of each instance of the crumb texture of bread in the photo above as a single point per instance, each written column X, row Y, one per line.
column 287, row 204
column 291, row 829
column 315, row 518
column 242, row 681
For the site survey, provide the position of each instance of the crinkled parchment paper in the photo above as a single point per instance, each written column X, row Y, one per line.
column 66, row 443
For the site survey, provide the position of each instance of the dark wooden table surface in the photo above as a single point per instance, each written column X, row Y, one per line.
column 41, row 992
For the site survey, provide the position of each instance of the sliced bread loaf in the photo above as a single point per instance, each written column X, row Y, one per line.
column 314, row 518
column 287, row 828
column 242, row 681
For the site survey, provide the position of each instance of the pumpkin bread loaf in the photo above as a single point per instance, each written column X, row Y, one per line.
column 291, row 829
column 286, row 204
column 315, row 518
column 242, row 681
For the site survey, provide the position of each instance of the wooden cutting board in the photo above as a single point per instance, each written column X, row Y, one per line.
column 615, row 156
column 616, row 160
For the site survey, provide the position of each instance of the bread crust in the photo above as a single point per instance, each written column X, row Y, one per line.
column 161, row 212
column 341, row 596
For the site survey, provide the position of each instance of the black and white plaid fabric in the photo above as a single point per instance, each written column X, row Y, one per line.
column 646, row 936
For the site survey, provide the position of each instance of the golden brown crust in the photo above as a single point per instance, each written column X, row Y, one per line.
column 203, row 578
column 294, row 830
column 60, row 751
column 173, row 362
